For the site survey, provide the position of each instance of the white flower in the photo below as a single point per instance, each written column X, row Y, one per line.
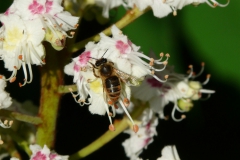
column 169, row 153
column 56, row 21
column 44, row 153
column 21, row 45
column 179, row 89
column 162, row 8
column 134, row 145
column 5, row 99
column 123, row 66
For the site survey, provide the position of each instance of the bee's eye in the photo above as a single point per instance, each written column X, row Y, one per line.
column 104, row 60
column 97, row 64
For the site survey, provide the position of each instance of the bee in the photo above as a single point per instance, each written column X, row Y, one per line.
column 112, row 81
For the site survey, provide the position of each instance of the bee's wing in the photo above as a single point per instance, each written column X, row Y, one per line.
column 128, row 79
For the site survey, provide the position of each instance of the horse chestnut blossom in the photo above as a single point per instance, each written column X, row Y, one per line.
column 5, row 102
column 135, row 144
column 127, row 65
column 161, row 8
column 179, row 89
column 25, row 25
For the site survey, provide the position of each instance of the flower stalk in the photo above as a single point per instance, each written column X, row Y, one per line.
column 51, row 78
column 21, row 117
column 109, row 135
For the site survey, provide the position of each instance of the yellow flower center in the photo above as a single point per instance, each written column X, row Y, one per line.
column 96, row 86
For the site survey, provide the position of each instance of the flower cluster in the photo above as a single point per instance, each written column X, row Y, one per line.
column 25, row 25
column 5, row 102
column 135, row 144
column 179, row 89
column 104, row 72
column 161, row 8
column 39, row 153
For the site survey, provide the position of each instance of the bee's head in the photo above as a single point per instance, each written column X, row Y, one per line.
column 100, row 61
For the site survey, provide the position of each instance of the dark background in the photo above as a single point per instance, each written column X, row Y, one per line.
column 197, row 34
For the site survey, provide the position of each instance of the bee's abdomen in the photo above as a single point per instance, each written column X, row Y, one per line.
column 113, row 88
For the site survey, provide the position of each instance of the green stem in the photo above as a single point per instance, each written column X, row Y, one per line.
column 51, row 78
column 65, row 88
column 21, row 117
column 107, row 136
column 19, row 140
column 127, row 19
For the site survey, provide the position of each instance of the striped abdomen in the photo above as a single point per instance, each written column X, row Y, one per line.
column 113, row 88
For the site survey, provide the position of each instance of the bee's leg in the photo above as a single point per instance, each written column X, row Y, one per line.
column 95, row 73
column 124, row 98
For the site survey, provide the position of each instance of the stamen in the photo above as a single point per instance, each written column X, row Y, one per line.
column 12, row 79
column 200, row 72
column 111, row 127
column 135, row 128
column 207, row 79
column 173, row 114
column 126, row 102
column 130, row 118
column 191, row 71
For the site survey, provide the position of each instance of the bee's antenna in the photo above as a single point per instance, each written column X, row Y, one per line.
column 104, row 53
column 92, row 58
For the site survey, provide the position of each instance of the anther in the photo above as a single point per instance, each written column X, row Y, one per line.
column 165, row 63
column 12, row 79
column 208, row 76
column 15, row 67
column 76, row 25
column 44, row 29
column 126, row 102
column 202, row 64
column 152, row 72
column 161, row 54
column 183, row 116
column 167, row 55
column 190, row 66
column 62, row 25
column 72, row 33
column 166, row 76
column 111, row 127
column 10, row 123
column 70, row 89
column 110, row 102
column 1, row 76
column 164, row 1
column 20, row 84
column 135, row 128
column 5, row 122
column 20, row 57
column 1, row 142
column 174, row 13
column 110, row 114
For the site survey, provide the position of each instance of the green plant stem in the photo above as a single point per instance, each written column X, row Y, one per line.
column 18, row 139
column 127, row 19
column 51, row 78
column 21, row 117
column 107, row 136
column 65, row 88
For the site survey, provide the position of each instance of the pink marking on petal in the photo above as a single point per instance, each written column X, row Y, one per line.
column 36, row 8
column 84, row 58
column 122, row 47
column 76, row 67
column 7, row 12
column 154, row 83
column 49, row 5
column 52, row 156
column 39, row 156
